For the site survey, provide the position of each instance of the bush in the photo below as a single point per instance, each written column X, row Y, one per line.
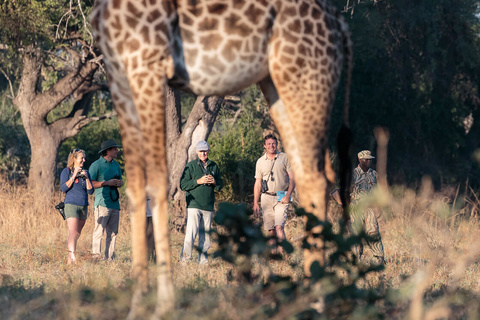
column 236, row 146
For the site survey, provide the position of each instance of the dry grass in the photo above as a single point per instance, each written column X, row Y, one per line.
column 431, row 243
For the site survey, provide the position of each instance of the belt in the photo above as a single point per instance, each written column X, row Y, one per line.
column 271, row 193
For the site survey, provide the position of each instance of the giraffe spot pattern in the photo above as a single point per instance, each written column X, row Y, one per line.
column 234, row 25
column 217, row 8
column 211, row 42
column 223, row 46
column 254, row 14
column 208, row 24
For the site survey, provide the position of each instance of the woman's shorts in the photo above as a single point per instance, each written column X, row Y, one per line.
column 74, row 211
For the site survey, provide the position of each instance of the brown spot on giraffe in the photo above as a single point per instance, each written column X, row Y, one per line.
column 208, row 24
column 308, row 27
column 286, row 60
column 320, row 30
column 116, row 5
column 237, row 5
column 145, row 34
column 133, row 10
column 292, row 39
column 211, row 42
column 257, row 43
column 132, row 22
column 289, row 11
column 187, row 35
column 234, row 25
column 187, row 20
column 254, row 14
column 303, row 10
column 316, row 14
column 295, row 26
column 300, row 61
column 217, row 8
column 153, row 16
column 230, row 50
column 115, row 24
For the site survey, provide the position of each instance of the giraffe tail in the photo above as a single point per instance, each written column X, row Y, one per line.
column 348, row 65
column 344, row 139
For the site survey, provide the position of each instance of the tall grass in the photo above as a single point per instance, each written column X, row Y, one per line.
column 431, row 245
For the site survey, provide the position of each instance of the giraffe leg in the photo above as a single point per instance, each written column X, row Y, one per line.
column 302, row 119
column 135, row 171
column 310, row 181
column 137, row 65
column 329, row 172
column 137, row 196
column 149, row 89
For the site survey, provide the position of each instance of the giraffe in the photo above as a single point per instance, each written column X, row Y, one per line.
column 293, row 49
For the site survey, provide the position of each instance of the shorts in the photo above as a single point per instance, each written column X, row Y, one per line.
column 74, row 211
column 274, row 212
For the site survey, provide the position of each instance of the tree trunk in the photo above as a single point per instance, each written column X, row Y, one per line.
column 34, row 105
column 44, row 148
column 181, row 143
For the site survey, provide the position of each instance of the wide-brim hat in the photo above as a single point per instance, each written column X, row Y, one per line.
column 108, row 144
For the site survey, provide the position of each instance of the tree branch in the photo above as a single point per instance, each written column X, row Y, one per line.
column 12, row 93
column 71, row 126
column 68, row 85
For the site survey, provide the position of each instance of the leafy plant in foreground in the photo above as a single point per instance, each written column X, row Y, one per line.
column 335, row 290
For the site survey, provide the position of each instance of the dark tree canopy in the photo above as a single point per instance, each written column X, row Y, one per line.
column 416, row 68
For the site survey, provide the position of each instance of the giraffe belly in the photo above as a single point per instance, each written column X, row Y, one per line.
column 212, row 80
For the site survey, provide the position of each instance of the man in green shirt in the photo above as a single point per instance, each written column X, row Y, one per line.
column 200, row 178
column 106, row 178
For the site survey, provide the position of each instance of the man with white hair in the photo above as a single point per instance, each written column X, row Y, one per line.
column 200, row 178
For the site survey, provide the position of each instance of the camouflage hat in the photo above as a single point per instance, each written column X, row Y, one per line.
column 365, row 154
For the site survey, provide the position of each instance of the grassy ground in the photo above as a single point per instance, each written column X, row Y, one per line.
column 431, row 245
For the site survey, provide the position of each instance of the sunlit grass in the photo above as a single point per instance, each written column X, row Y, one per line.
column 432, row 251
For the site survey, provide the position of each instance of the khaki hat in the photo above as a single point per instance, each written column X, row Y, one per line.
column 108, row 144
column 365, row 154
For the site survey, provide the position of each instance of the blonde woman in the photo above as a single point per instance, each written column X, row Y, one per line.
column 76, row 183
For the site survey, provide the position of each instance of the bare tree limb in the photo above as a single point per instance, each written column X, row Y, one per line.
column 12, row 93
column 65, row 16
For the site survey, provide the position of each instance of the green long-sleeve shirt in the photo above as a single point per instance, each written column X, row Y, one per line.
column 200, row 196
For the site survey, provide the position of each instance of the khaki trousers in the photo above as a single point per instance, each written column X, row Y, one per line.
column 198, row 222
column 106, row 221
column 366, row 220
column 274, row 213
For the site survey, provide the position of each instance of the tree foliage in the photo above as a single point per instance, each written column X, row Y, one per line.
column 48, row 24
column 416, row 67
column 49, row 69
column 14, row 148
column 340, row 294
column 237, row 143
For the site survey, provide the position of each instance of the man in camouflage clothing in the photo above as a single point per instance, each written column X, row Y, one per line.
column 363, row 181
